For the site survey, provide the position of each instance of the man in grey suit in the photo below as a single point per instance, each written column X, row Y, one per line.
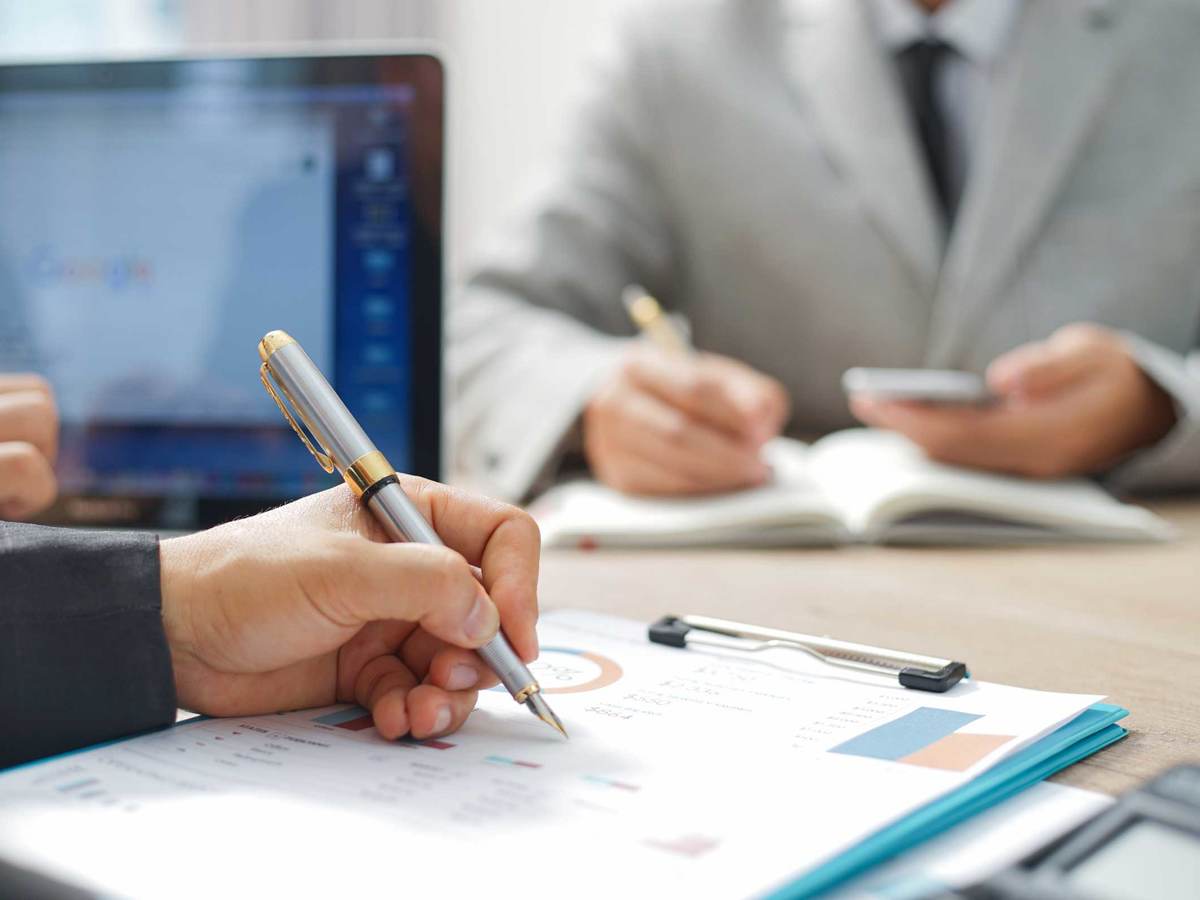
column 1004, row 186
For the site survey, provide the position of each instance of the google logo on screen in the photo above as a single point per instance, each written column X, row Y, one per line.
column 45, row 266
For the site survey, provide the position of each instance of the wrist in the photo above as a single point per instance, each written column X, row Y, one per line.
column 177, row 567
column 1159, row 415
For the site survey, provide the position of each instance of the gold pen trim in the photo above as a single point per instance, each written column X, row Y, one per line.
column 274, row 340
column 648, row 315
column 367, row 471
column 524, row 693
column 324, row 460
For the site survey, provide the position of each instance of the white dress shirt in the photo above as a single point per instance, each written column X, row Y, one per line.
column 979, row 32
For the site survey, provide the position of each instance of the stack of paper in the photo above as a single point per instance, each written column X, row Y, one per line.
column 709, row 774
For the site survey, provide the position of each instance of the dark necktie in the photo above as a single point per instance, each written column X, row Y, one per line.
column 920, row 64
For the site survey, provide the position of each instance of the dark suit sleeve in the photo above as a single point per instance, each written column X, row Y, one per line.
column 83, row 656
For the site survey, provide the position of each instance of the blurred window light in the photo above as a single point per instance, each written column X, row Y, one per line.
column 73, row 28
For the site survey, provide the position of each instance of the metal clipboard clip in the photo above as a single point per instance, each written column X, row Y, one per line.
column 911, row 670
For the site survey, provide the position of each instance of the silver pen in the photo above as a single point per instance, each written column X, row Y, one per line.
column 344, row 447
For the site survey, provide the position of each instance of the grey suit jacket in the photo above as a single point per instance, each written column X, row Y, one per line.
column 753, row 163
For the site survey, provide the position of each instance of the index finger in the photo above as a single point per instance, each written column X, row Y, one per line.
column 11, row 382
column 724, row 396
column 502, row 540
column 30, row 416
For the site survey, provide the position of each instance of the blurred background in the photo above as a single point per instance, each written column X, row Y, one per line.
column 514, row 67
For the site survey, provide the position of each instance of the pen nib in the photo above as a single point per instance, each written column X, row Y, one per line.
column 542, row 710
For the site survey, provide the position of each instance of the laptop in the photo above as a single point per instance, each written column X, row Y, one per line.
column 158, row 217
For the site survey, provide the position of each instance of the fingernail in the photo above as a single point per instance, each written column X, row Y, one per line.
column 483, row 620
column 442, row 722
column 461, row 678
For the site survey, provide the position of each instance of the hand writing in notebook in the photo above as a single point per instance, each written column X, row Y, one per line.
column 1073, row 404
column 672, row 424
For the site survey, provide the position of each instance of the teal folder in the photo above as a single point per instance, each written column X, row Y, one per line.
column 1092, row 730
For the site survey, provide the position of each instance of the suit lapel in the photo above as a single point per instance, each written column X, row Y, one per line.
column 1046, row 101
column 846, row 79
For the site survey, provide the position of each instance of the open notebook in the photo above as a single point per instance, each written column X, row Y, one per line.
column 856, row 486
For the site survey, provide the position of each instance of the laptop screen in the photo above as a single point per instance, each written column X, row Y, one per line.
column 157, row 219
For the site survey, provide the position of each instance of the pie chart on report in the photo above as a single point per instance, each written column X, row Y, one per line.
column 564, row 670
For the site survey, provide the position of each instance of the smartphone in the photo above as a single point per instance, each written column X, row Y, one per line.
column 919, row 385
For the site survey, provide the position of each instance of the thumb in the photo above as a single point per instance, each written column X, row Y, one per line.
column 1039, row 369
column 433, row 586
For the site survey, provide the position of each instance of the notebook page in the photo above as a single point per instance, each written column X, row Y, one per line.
column 877, row 478
column 791, row 509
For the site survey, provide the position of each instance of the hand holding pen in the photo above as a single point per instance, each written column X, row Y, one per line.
column 311, row 604
column 674, row 421
column 338, row 443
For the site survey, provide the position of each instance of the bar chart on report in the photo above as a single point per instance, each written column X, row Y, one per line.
column 926, row 737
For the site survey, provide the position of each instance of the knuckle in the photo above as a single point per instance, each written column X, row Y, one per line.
column 523, row 521
column 420, row 490
column 605, row 406
column 620, row 478
column 38, row 384
column 45, row 408
column 703, row 389
column 674, row 430
column 637, row 366
column 1086, row 333
column 448, row 571
column 23, row 461
column 25, row 473
column 632, row 363
column 516, row 523
column 777, row 397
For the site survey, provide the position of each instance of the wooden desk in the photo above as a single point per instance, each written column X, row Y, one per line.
column 1120, row 620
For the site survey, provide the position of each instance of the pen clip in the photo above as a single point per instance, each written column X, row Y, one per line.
column 323, row 459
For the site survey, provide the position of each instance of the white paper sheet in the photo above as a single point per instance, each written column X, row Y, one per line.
column 713, row 775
